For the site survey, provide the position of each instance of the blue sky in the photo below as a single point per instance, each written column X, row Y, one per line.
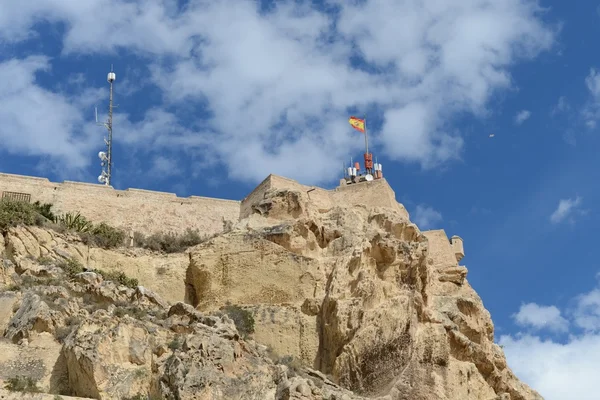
column 214, row 96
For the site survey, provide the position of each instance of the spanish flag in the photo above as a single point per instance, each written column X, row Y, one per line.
column 358, row 124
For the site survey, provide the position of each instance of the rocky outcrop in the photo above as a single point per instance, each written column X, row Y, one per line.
column 383, row 308
column 348, row 302
column 31, row 248
column 81, row 336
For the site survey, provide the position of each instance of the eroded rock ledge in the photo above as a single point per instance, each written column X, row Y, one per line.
column 358, row 300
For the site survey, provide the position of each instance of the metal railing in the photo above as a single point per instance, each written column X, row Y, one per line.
column 16, row 196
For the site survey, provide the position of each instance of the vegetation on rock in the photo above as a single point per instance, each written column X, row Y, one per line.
column 75, row 222
column 243, row 319
column 22, row 384
column 14, row 213
column 45, row 210
column 103, row 235
column 73, row 267
column 169, row 242
column 354, row 291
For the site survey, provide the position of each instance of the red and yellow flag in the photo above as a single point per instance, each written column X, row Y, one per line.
column 358, row 124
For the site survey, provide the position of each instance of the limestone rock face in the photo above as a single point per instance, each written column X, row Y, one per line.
column 360, row 294
column 347, row 302
column 108, row 359
column 32, row 247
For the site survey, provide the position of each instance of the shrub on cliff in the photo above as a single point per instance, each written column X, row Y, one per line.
column 71, row 266
column 45, row 210
column 169, row 242
column 103, row 235
column 118, row 277
column 22, row 384
column 74, row 222
column 243, row 319
column 14, row 213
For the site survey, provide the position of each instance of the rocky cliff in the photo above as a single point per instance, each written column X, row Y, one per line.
column 338, row 303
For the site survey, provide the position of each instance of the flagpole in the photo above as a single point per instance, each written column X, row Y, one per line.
column 366, row 138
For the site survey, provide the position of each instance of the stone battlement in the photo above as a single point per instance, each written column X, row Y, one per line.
column 373, row 194
column 150, row 211
column 132, row 209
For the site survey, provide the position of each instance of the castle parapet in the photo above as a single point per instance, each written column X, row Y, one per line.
column 457, row 247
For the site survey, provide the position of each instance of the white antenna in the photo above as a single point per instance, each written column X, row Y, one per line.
column 106, row 157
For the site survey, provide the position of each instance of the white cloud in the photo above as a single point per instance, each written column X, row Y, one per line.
column 36, row 121
column 541, row 317
column 279, row 85
column 587, row 312
column 559, row 369
column 591, row 112
column 522, row 116
column 426, row 217
column 561, row 106
column 592, row 81
column 163, row 166
column 566, row 208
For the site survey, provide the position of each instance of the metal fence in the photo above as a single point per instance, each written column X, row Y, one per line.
column 16, row 196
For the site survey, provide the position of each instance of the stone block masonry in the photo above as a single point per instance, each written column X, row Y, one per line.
column 371, row 194
column 132, row 209
column 148, row 211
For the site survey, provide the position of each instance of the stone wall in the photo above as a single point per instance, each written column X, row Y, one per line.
column 377, row 193
column 442, row 251
column 131, row 209
column 372, row 194
column 254, row 197
column 148, row 211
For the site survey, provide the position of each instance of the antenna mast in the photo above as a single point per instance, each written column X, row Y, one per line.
column 106, row 157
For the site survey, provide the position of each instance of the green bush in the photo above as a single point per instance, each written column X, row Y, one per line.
column 14, row 213
column 243, row 319
column 74, row 222
column 45, row 260
column 118, row 277
column 21, row 384
column 169, row 242
column 71, row 267
column 175, row 344
column 45, row 210
column 104, row 235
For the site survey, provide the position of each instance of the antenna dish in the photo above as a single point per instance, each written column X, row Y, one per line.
column 102, row 156
column 101, row 179
column 369, row 177
column 111, row 77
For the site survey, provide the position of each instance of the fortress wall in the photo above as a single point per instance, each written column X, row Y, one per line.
column 254, row 197
column 372, row 194
column 319, row 197
column 440, row 249
column 39, row 188
column 376, row 193
column 139, row 210
column 149, row 211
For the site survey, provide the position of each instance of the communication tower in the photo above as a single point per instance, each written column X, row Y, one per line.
column 106, row 156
